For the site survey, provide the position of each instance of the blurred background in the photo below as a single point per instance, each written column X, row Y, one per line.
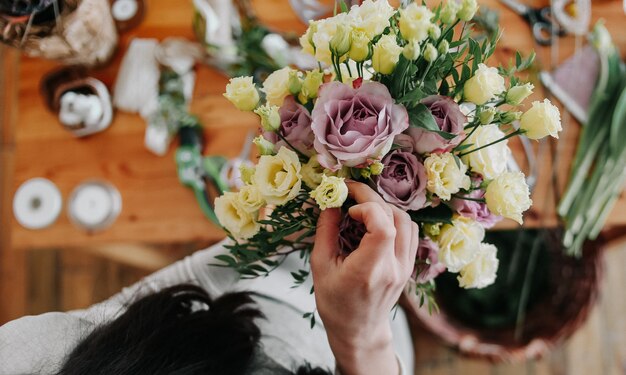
column 93, row 196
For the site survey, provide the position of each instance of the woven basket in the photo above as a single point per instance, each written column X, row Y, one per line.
column 84, row 33
column 572, row 291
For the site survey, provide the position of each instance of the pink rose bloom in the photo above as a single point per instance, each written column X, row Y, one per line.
column 477, row 211
column 403, row 181
column 295, row 128
column 448, row 117
column 427, row 265
column 353, row 127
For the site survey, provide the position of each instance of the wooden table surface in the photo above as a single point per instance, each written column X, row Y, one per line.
column 156, row 207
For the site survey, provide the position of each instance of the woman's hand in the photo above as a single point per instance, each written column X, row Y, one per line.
column 355, row 294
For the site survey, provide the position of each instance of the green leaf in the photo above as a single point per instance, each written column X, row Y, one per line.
column 343, row 6
column 518, row 59
column 420, row 117
column 439, row 214
column 412, row 97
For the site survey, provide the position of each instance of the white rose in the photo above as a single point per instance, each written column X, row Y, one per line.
column 276, row 86
column 541, row 120
column 481, row 272
column 490, row 161
column 331, row 192
column 517, row 94
column 250, row 199
column 459, row 242
column 446, row 176
column 415, row 22
column 242, row 92
column 239, row 222
column 484, row 85
column 372, row 17
column 278, row 177
column 508, row 195
column 312, row 172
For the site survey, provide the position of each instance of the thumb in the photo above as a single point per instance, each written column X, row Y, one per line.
column 326, row 237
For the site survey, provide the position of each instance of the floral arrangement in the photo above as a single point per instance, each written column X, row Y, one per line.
column 404, row 102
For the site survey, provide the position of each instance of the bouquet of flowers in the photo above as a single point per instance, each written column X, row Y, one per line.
column 404, row 102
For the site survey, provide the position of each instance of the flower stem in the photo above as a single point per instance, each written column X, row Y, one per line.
column 481, row 200
column 512, row 134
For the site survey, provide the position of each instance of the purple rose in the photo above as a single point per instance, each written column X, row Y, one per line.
column 427, row 265
column 449, row 118
column 354, row 126
column 295, row 128
column 350, row 234
column 403, row 181
column 477, row 211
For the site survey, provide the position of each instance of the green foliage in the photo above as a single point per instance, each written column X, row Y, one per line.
column 440, row 214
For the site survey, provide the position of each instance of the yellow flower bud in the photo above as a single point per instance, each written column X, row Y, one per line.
column 412, row 50
column 432, row 230
column 377, row 168
column 468, row 9
column 270, row 119
column 360, row 47
column 430, row 53
column 264, row 146
column 517, row 94
column 448, row 14
column 444, row 46
column 341, row 41
column 366, row 173
column 242, row 92
column 386, row 54
column 434, row 31
column 295, row 82
column 311, row 84
column 487, row 115
column 247, row 173
column 509, row 117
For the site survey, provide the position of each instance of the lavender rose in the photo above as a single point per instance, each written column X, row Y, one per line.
column 295, row 128
column 449, row 118
column 350, row 234
column 427, row 265
column 403, row 181
column 353, row 127
column 477, row 211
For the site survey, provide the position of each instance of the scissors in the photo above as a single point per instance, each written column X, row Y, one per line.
column 540, row 20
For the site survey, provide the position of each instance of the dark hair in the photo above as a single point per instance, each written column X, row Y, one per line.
column 178, row 330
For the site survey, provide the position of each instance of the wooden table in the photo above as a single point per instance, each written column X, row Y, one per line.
column 157, row 209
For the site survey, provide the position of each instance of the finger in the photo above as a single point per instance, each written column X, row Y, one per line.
column 402, row 222
column 362, row 193
column 415, row 242
column 325, row 249
column 378, row 225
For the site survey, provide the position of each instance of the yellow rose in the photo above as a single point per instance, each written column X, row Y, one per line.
column 386, row 54
column 360, row 47
column 446, row 176
column 481, row 272
column 250, row 199
column 449, row 11
column 490, row 161
column 247, row 172
column 412, row 50
column 372, row 17
column 278, row 177
column 484, row 85
column 331, row 192
column 508, row 195
column 517, row 94
column 541, row 120
column 264, row 146
column 276, row 86
column 312, row 173
column 415, row 22
column 459, row 242
column 341, row 41
column 239, row 222
column 242, row 92
column 430, row 53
